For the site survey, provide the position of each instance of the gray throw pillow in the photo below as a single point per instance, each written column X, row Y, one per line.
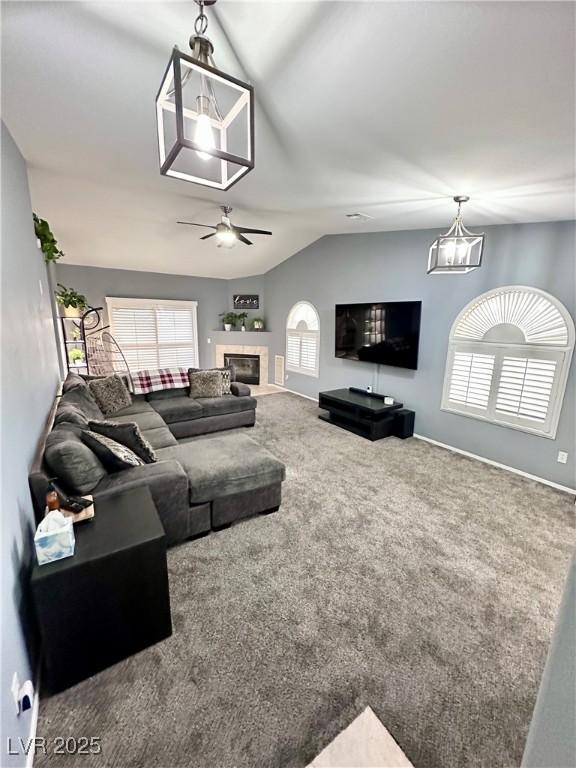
column 129, row 435
column 228, row 376
column 82, row 398
column 205, row 384
column 71, row 381
column 111, row 394
column 72, row 462
column 113, row 455
column 70, row 414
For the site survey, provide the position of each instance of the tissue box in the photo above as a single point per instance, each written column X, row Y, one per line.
column 55, row 545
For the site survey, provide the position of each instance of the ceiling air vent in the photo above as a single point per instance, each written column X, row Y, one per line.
column 359, row 217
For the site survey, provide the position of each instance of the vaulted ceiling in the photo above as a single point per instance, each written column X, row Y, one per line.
column 388, row 108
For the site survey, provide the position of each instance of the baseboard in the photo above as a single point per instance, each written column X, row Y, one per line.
column 34, row 721
column 293, row 391
column 484, row 460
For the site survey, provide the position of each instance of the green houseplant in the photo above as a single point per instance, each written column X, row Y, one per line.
column 229, row 320
column 258, row 323
column 74, row 303
column 48, row 243
column 75, row 356
column 241, row 317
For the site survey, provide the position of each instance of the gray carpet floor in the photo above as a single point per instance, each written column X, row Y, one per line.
column 396, row 575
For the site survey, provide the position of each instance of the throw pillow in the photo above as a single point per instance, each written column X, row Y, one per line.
column 71, row 461
column 128, row 434
column 113, row 455
column 111, row 394
column 227, row 376
column 71, row 381
column 205, row 384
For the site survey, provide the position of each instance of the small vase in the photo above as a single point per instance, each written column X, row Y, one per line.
column 227, row 326
column 243, row 328
column 71, row 312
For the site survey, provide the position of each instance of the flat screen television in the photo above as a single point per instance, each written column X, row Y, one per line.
column 386, row 333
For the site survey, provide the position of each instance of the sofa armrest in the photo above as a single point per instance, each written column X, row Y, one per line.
column 239, row 389
column 168, row 484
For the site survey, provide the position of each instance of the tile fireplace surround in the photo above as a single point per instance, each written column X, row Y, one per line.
column 244, row 349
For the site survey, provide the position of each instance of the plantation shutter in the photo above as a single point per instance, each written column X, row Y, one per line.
column 303, row 339
column 153, row 333
column 471, row 379
column 508, row 359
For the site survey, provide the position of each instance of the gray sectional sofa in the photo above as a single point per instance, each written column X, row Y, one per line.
column 201, row 481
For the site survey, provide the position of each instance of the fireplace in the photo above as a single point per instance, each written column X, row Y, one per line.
column 246, row 367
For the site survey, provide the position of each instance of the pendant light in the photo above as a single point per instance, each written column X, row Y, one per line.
column 459, row 250
column 205, row 117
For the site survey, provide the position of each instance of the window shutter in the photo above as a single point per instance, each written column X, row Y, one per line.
column 308, row 351
column 155, row 334
column 293, row 349
column 303, row 339
column 525, row 387
column 471, row 379
column 509, row 358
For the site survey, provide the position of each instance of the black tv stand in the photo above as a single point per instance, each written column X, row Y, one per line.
column 366, row 414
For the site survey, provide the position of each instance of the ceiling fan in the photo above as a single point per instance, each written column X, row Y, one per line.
column 226, row 233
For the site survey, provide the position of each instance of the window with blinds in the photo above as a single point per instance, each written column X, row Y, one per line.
column 508, row 359
column 303, row 339
column 155, row 333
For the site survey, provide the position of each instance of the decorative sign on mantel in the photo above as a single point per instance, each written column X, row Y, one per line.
column 246, row 301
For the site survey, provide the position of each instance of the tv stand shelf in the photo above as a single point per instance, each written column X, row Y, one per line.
column 366, row 414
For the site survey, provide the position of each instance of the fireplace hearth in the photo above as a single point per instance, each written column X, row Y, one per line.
column 246, row 367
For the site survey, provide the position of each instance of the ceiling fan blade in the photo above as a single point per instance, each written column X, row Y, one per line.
column 252, row 231
column 205, row 237
column 243, row 239
column 193, row 224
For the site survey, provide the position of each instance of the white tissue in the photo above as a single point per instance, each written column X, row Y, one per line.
column 52, row 522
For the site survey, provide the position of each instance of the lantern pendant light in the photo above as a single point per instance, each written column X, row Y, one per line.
column 459, row 250
column 205, row 117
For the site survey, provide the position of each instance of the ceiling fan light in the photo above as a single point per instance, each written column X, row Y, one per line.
column 458, row 251
column 226, row 237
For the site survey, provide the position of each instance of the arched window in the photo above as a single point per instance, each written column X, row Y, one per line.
column 508, row 359
column 303, row 339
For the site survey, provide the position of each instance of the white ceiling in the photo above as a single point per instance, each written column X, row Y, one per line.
column 388, row 108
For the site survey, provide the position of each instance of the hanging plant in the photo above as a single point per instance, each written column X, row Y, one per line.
column 48, row 243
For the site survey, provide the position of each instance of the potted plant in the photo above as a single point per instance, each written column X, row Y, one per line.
column 74, row 303
column 76, row 356
column 46, row 240
column 241, row 316
column 229, row 320
column 258, row 324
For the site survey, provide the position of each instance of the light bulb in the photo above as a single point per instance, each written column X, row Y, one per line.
column 226, row 237
column 204, row 136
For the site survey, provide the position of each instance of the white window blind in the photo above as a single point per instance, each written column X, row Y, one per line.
column 153, row 333
column 508, row 359
column 471, row 379
column 525, row 387
column 303, row 339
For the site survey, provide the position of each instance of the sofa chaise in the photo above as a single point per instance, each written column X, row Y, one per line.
column 200, row 481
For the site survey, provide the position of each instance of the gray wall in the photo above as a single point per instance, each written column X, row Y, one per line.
column 391, row 266
column 552, row 736
column 30, row 378
column 213, row 296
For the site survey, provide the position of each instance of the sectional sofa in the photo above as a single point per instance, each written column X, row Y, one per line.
column 201, row 480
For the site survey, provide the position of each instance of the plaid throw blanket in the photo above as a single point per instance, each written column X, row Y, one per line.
column 153, row 380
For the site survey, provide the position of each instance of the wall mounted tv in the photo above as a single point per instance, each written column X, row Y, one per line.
column 386, row 332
